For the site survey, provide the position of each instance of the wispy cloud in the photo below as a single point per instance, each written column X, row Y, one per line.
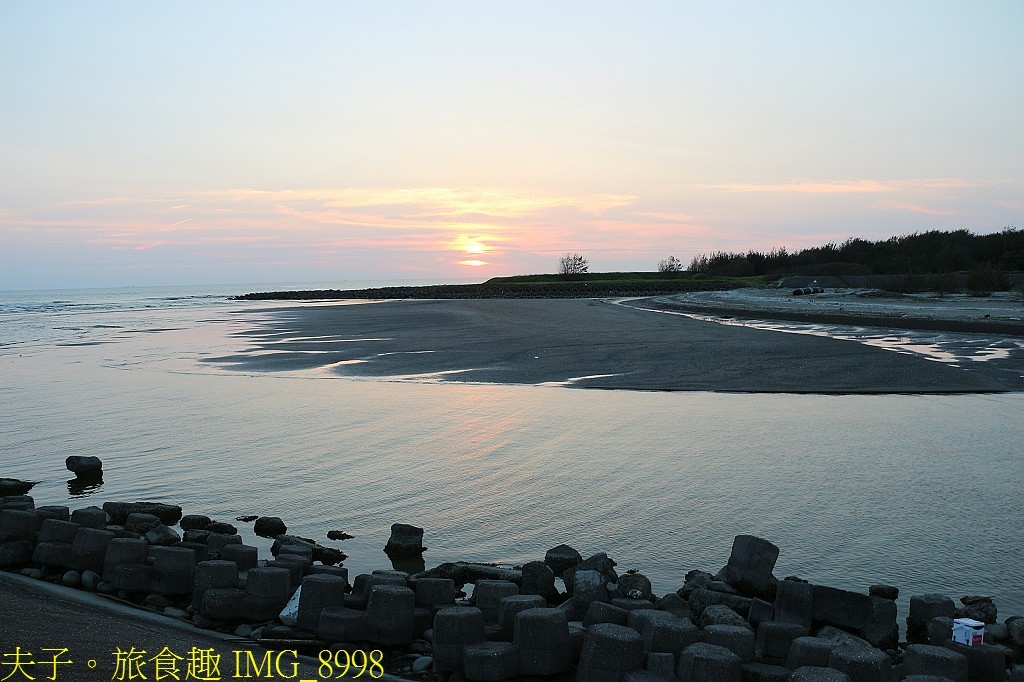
column 843, row 186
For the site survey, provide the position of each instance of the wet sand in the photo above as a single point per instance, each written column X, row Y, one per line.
column 584, row 343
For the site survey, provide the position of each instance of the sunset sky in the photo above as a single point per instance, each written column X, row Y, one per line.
column 146, row 143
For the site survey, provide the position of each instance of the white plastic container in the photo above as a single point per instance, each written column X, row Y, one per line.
column 968, row 631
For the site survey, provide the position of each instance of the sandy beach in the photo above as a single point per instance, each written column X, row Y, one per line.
column 590, row 343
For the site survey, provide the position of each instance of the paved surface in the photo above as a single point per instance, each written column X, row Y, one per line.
column 42, row 619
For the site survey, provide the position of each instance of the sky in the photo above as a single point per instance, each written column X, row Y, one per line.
column 188, row 142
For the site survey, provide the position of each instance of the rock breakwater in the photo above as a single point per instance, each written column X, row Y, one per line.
column 737, row 624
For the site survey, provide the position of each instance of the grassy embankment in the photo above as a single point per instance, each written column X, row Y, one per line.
column 589, row 285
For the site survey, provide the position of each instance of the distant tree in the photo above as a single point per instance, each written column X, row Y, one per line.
column 572, row 264
column 670, row 264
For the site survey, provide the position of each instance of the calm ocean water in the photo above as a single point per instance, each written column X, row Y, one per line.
column 923, row 492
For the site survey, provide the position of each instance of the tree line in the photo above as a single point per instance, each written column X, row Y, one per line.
column 920, row 253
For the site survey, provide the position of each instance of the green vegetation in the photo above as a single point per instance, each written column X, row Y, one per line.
column 633, row 278
column 926, row 253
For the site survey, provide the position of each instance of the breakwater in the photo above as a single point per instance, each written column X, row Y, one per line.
column 568, row 289
column 559, row 617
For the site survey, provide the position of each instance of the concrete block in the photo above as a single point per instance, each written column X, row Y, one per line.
column 631, row 604
column 809, row 651
column 702, row 662
column 701, row 599
column 133, row 577
column 639, row 618
column 89, row 549
column 244, row 556
column 431, row 592
column 817, row 674
column 487, row 594
column 223, row 603
column 738, row 640
column 923, row 608
column 216, row 541
column 17, row 502
column 794, row 603
column 541, row 635
column 209, row 574
column 423, row 619
column 490, row 661
column 764, row 672
column 539, row 579
column 89, row 517
column 268, row 583
column 882, row 630
column 922, row 659
column 18, row 524
column 608, row 651
column 296, row 567
column 939, row 630
column 15, row 553
column 562, row 558
column 53, row 511
column 774, row 640
column 390, row 617
column 340, row 571
column 750, row 566
column 669, row 635
column 175, row 570
column 660, row 662
column 55, row 554
column 510, row 606
column 648, row 676
column 123, row 551
column 862, row 665
column 340, row 624
column 841, row 608
column 761, row 611
column 721, row 615
column 318, row 592
column 984, row 662
column 577, row 634
column 141, row 523
column 604, row 612
column 454, row 628
column 53, row 530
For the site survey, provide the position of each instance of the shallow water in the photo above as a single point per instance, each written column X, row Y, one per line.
column 922, row 492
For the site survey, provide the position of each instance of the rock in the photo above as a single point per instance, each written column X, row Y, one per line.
column 195, row 521
column 169, row 514
column 84, row 467
column 885, row 592
column 718, row 614
column 701, row 599
column 17, row 503
column 634, row 586
column 422, row 664
column 338, row 535
column 72, row 579
column 695, row 580
column 588, row 586
column 248, row 518
column 562, row 558
column 157, row 602
column 104, row 587
column 14, row 486
column 978, row 608
column 141, row 523
column 598, row 562
column 722, row 586
column 462, row 572
column 222, row 528
column 998, row 631
column 196, row 535
column 328, row 556
column 90, row 579
column 243, row 630
column 538, row 578
column 269, row 527
column 162, row 536
column 750, row 567
column 175, row 612
column 405, row 540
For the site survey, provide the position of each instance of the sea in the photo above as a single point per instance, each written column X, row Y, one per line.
column 924, row 492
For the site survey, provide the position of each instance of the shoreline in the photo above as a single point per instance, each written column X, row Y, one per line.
column 589, row 343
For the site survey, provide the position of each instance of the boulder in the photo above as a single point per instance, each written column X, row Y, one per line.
column 194, row 522
column 695, row 580
column 538, row 578
column 269, row 527
column 750, row 567
column 84, row 466
column 562, row 558
column 634, row 586
column 599, row 563
column 169, row 514
column 13, row 486
column 978, row 608
column 405, row 540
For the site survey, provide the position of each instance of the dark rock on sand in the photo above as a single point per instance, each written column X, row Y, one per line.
column 84, row 466
column 269, row 527
column 14, row 486
column 405, row 540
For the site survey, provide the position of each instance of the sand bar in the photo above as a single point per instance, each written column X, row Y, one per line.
column 587, row 343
